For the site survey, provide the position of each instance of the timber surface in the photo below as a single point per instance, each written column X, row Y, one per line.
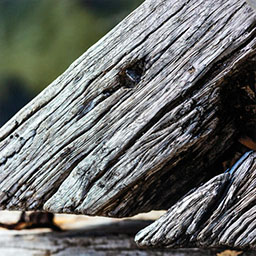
column 138, row 119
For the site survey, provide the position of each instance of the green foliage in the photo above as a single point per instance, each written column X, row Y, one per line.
column 39, row 39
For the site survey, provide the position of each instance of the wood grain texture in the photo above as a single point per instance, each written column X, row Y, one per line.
column 220, row 213
column 138, row 119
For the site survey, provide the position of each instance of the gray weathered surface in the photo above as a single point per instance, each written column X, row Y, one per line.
column 221, row 212
column 117, row 132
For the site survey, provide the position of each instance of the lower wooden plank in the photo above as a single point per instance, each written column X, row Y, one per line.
column 101, row 240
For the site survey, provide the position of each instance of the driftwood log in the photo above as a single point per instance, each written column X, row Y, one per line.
column 144, row 116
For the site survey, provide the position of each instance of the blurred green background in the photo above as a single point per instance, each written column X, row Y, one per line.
column 39, row 39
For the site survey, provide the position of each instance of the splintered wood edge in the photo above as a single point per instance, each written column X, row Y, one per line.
column 220, row 213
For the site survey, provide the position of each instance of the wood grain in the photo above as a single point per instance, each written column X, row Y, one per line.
column 139, row 119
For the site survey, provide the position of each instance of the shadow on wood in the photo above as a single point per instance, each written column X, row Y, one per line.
column 110, row 239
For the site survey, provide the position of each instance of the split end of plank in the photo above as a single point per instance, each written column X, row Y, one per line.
column 220, row 213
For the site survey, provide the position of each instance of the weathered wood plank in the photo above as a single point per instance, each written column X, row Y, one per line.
column 221, row 212
column 115, row 135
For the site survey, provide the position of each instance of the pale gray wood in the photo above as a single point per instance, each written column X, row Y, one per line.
column 221, row 212
column 252, row 3
column 136, row 121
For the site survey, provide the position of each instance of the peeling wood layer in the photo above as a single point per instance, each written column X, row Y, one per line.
column 220, row 213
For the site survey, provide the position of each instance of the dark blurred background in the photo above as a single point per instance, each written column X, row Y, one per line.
column 39, row 39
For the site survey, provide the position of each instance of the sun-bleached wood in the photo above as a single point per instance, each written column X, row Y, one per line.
column 139, row 119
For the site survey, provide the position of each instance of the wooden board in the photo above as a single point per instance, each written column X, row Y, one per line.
column 104, row 240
